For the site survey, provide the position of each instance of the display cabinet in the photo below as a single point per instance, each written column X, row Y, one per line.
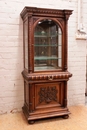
column 45, row 62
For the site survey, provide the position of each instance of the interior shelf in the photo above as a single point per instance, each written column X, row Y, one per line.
column 46, row 35
column 46, row 45
column 46, row 58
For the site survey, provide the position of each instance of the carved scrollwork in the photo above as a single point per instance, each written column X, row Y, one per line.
column 47, row 94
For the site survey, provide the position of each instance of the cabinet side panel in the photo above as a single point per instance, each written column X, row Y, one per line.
column 26, row 93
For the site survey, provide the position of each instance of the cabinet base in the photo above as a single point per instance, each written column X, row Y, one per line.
column 32, row 117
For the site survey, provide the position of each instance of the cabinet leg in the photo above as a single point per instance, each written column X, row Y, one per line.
column 31, row 122
column 66, row 116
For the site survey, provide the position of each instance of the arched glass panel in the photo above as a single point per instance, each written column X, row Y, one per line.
column 47, row 46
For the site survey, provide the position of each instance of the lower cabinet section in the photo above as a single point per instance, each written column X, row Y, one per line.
column 44, row 100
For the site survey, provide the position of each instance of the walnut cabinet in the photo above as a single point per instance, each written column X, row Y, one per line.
column 45, row 62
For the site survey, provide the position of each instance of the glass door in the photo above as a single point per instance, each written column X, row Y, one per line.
column 47, row 46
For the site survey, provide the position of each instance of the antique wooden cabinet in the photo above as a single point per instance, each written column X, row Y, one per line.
column 45, row 62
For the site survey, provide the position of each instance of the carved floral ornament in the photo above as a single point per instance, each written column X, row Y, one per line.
column 47, row 94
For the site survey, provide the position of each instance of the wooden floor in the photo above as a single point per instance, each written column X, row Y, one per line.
column 76, row 121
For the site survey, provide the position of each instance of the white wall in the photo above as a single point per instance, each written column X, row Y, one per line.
column 77, row 59
column 11, row 52
column 85, row 23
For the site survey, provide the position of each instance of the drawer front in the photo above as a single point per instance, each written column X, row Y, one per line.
column 49, row 95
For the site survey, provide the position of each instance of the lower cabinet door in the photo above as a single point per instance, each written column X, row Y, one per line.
column 49, row 96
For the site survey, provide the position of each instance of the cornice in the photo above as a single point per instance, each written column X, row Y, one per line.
column 32, row 11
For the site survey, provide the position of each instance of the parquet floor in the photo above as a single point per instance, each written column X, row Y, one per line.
column 76, row 121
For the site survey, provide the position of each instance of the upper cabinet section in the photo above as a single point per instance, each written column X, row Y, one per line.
column 47, row 46
column 45, row 39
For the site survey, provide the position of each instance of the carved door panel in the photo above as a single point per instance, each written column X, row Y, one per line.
column 49, row 95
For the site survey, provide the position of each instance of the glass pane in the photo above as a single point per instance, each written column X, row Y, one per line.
column 47, row 46
column 26, row 43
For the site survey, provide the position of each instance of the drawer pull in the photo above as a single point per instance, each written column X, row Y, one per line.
column 50, row 78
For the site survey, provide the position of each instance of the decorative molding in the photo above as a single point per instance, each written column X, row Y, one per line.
column 39, row 11
column 55, row 76
column 67, row 13
column 81, row 33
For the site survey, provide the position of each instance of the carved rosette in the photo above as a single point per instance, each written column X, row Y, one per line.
column 47, row 94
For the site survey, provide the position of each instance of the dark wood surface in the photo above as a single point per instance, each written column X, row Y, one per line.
column 45, row 92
